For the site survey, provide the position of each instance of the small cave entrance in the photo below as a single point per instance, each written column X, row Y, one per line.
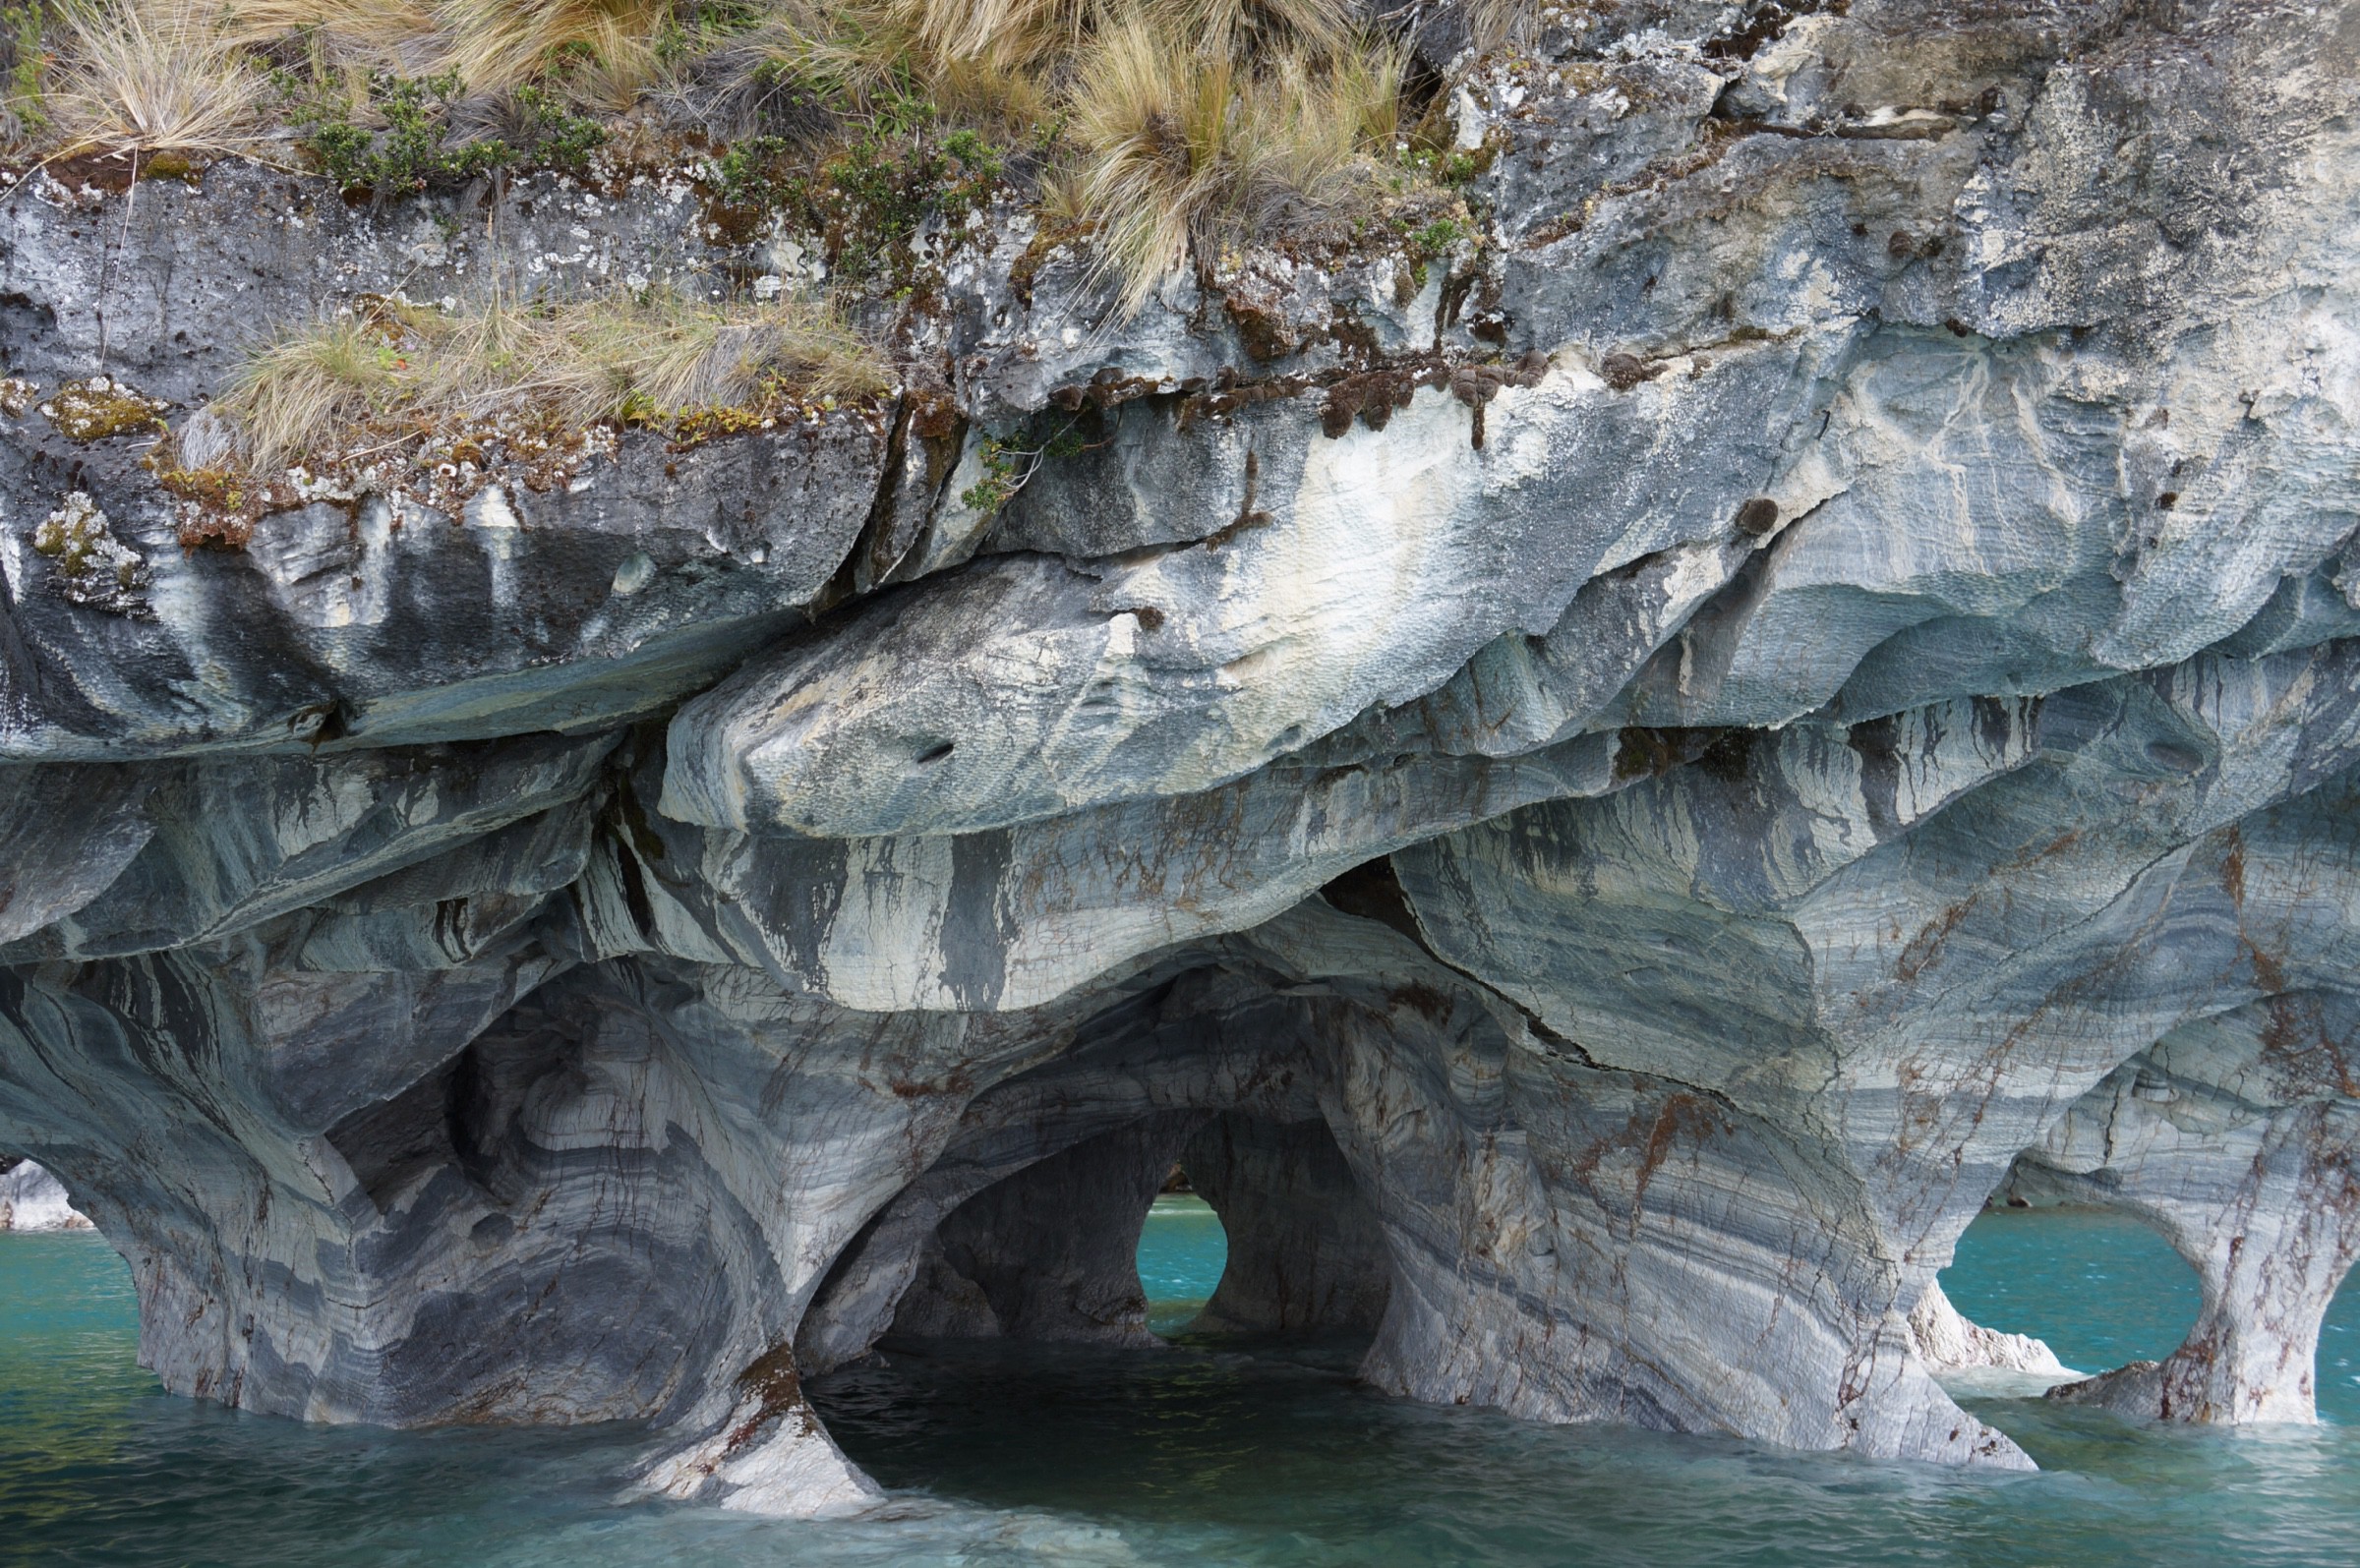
column 1183, row 1224
column 2099, row 1283
column 1183, row 1251
column 1303, row 1254
column 1074, row 1334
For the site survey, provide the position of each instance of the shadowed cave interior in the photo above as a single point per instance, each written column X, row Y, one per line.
column 1051, row 1252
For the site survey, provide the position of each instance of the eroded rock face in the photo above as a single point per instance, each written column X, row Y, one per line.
column 1600, row 794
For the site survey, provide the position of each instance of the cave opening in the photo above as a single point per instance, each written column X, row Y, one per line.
column 1150, row 1310
column 1183, row 1251
column 1091, row 1244
column 2099, row 1285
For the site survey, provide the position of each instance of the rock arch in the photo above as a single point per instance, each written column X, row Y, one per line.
column 2238, row 1138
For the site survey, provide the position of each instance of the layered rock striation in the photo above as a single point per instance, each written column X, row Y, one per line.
column 1602, row 793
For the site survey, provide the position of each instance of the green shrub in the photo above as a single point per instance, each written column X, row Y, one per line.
column 867, row 200
column 414, row 151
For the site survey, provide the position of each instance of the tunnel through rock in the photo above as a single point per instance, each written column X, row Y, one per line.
column 1028, row 1224
column 2057, row 1292
column 1051, row 1252
column 2237, row 1137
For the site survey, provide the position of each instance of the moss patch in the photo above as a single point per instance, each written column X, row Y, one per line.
column 98, row 408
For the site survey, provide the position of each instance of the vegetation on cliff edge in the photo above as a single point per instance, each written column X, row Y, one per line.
column 1156, row 129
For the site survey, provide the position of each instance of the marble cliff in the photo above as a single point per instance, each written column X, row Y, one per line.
column 1603, row 793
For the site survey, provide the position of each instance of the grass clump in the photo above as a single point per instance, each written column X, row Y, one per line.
column 1188, row 150
column 157, row 77
column 607, row 47
column 1167, row 126
column 989, row 64
column 337, row 377
column 600, row 54
column 657, row 359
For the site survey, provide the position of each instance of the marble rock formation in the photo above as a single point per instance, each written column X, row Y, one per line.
column 1950, row 1343
column 1306, row 1253
column 2236, row 1135
column 1600, row 791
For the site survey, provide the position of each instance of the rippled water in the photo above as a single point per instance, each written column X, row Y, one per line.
column 1200, row 1455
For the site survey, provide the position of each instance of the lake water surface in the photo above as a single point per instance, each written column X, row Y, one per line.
column 1199, row 1455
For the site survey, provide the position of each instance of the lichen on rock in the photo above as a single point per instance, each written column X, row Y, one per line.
column 99, row 407
column 88, row 565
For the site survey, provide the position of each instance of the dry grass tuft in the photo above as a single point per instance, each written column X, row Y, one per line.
column 338, row 45
column 333, row 377
column 603, row 53
column 1496, row 24
column 659, row 358
column 1007, row 62
column 855, row 53
column 607, row 47
column 653, row 361
column 1241, row 29
column 154, row 77
column 391, row 34
column 1175, row 152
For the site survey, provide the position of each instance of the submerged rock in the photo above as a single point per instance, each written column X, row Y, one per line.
column 1602, row 800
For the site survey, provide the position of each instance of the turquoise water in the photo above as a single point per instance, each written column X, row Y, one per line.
column 1181, row 1255
column 1197, row 1454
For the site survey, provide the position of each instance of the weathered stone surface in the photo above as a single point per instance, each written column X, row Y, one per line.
column 1366, row 569
column 1603, row 796
column 1948, row 1342
column 541, row 605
